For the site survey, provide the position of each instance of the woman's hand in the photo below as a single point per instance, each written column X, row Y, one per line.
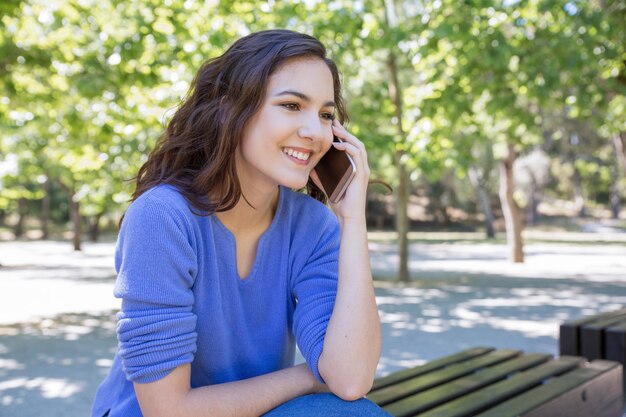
column 352, row 206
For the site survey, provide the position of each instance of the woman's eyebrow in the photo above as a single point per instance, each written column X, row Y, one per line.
column 303, row 96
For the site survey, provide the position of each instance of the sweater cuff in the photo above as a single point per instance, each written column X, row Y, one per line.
column 313, row 362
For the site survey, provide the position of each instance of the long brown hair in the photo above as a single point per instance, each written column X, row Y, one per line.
column 196, row 151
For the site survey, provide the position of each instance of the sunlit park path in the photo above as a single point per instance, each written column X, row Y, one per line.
column 57, row 311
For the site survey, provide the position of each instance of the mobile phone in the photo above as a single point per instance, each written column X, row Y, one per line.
column 335, row 170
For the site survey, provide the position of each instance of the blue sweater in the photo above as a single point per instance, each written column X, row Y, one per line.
column 183, row 301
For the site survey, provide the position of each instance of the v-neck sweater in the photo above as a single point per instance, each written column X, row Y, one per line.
column 183, row 301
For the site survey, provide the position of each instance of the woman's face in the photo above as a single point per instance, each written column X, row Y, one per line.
column 286, row 138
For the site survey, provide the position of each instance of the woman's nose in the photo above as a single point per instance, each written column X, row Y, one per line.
column 315, row 129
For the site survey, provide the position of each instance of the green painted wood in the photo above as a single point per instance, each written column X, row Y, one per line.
column 593, row 390
column 482, row 400
column 433, row 397
column 395, row 392
column 433, row 365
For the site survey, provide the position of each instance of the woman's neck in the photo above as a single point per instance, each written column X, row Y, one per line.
column 252, row 215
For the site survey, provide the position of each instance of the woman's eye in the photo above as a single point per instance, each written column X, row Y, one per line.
column 291, row 106
column 328, row 116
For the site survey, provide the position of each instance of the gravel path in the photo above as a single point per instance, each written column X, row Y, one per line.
column 57, row 323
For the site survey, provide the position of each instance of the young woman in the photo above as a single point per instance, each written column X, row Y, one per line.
column 223, row 267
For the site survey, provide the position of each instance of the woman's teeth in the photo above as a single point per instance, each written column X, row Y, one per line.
column 299, row 155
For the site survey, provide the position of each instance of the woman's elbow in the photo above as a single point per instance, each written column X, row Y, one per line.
column 350, row 390
column 349, row 383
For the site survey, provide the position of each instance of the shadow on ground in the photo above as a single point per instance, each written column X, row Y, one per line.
column 53, row 368
column 431, row 318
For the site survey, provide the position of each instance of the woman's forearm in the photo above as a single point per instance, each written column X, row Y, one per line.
column 353, row 339
column 173, row 397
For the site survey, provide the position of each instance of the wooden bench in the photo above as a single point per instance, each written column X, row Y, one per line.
column 601, row 336
column 486, row 382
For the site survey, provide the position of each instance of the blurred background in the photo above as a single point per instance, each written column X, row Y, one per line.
column 483, row 115
column 500, row 125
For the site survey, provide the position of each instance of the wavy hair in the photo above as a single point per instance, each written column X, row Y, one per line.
column 196, row 151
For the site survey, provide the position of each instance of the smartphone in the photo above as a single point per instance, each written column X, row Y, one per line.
column 336, row 170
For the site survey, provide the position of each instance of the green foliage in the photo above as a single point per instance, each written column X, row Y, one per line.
column 86, row 85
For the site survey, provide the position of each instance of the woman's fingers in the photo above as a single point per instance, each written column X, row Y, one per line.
column 341, row 132
column 353, row 147
column 354, row 201
column 349, row 148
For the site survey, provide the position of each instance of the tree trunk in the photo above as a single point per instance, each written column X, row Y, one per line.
column 532, row 213
column 439, row 201
column 402, row 212
column 395, row 93
column 402, row 219
column 18, row 229
column 512, row 215
column 94, row 228
column 579, row 196
column 483, row 198
column 614, row 196
column 75, row 216
column 620, row 147
column 45, row 210
column 434, row 201
column 619, row 143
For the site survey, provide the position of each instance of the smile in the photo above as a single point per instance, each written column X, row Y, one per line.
column 303, row 156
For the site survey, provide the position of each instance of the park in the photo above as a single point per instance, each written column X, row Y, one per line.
column 495, row 134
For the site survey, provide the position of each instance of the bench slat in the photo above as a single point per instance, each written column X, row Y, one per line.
column 395, row 392
column 569, row 336
column 397, row 377
column 479, row 401
column 615, row 343
column 592, row 336
column 436, row 396
column 594, row 390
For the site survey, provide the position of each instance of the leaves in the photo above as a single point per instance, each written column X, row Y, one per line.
column 85, row 85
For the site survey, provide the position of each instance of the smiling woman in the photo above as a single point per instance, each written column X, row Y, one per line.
column 223, row 266
column 294, row 122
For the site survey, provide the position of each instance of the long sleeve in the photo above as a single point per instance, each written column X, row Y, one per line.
column 315, row 289
column 156, row 265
